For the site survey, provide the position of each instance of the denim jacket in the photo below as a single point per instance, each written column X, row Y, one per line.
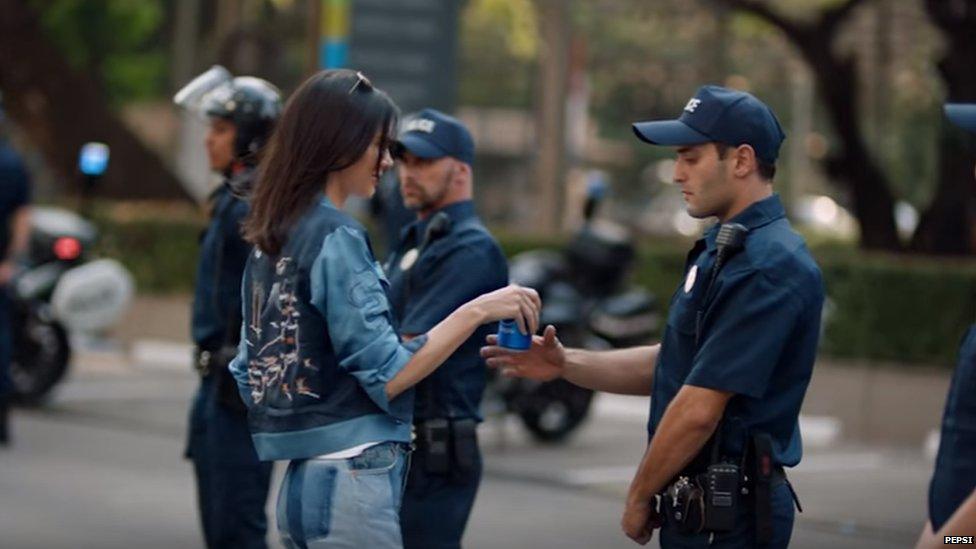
column 319, row 343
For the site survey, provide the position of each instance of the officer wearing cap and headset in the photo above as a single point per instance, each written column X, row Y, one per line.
column 952, row 492
column 727, row 381
column 444, row 259
column 232, row 484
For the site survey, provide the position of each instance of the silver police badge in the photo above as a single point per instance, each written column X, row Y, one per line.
column 690, row 279
column 409, row 259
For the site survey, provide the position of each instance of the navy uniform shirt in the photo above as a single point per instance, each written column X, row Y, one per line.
column 955, row 466
column 453, row 269
column 759, row 336
column 14, row 191
column 223, row 254
column 387, row 206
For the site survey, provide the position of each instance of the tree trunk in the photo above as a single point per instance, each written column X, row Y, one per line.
column 60, row 109
column 852, row 165
column 947, row 225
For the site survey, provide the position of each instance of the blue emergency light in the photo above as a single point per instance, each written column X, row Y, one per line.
column 93, row 160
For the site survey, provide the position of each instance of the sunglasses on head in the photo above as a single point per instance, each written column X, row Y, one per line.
column 361, row 80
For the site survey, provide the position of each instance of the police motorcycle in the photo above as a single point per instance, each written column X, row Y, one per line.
column 61, row 290
column 586, row 296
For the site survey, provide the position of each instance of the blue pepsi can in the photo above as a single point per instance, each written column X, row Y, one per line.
column 511, row 338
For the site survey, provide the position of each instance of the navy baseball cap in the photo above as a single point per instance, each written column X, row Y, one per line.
column 722, row 115
column 433, row 134
column 962, row 115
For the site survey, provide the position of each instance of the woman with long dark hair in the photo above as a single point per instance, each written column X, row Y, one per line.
column 321, row 366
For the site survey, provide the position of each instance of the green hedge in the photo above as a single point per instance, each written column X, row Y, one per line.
column 900, row 309
column 158, row 246
column 881, row 307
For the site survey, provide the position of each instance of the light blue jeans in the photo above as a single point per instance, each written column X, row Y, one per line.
column 344, row 503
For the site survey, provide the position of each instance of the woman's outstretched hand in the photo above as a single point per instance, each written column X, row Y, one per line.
column 511, row 302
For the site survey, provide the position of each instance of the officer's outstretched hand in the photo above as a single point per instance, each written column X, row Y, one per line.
column 544, row 361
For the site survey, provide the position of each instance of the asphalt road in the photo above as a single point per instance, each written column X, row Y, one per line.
column 101, row 466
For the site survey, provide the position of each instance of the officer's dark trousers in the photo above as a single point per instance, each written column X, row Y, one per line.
column 955, row 465
column 6, row 351
column 744, row 536
column 6, row 342
column 436, row 507
column 232, row 484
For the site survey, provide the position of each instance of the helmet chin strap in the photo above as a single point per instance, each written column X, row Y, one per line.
column 235, row 167
column 241, row 179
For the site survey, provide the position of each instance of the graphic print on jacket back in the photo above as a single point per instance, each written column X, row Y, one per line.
column 277, row 368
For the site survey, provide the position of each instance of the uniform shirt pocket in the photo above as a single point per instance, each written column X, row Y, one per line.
column 684, row 311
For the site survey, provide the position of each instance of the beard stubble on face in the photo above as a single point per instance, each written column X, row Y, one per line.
column 713, row 196
column 426, row 200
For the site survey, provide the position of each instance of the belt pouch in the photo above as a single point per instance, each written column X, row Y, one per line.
column 435, row 439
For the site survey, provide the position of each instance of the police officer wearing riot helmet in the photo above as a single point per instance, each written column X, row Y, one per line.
column 727, row 381
column 232, row 484
column 952, row 492
column 444, row 259
column 15, row 194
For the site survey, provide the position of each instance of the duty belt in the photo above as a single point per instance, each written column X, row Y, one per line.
column 447, row 446
column 202, row 361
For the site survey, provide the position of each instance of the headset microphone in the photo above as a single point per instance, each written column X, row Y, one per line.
column 439, row 226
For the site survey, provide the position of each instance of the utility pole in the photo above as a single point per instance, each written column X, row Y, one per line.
column 186, row 28
column 550, row 169
column 228, row 21
column 313, row 31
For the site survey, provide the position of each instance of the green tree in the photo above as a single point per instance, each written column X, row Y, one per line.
column 499, row 48
column 119, row 43
column 61, row 107
column 949, row 224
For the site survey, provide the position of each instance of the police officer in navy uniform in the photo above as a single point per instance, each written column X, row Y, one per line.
column 232, row 484
column 444, row 259
column 15, row 194
column 386, row 208
column 952, row 492
column 727, row 381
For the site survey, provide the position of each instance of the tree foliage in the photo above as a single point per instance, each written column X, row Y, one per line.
column 882, row 67
column 121, row 44
column 499, row 46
